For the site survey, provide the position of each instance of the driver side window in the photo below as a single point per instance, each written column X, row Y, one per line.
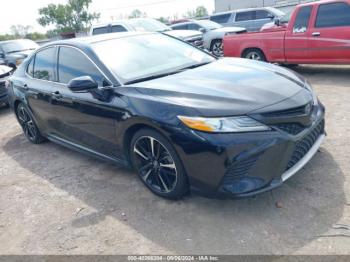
column 72, row 63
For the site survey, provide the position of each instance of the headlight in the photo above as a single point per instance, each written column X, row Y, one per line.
column 224, row 124
column 19, row 61
column 314, row 97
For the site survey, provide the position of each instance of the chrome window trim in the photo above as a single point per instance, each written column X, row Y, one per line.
column 69, row 46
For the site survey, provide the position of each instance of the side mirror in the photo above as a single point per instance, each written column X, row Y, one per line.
column 202, row 30
column 277, row 21
column 81, row 84
column 271, row 16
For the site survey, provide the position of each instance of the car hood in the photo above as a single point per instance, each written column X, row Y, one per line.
column 230, row 86
column 4, row 71
column 230, row 29
column 183, row 34
column 21, row 54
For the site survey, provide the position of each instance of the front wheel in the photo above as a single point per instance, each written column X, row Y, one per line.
column 217, row 48
column 28, row 125
column 158, row 164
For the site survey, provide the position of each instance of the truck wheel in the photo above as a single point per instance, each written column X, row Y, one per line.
column 254, row 54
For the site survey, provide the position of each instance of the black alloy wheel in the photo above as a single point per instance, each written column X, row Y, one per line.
column 30, row 129
column 158, row 165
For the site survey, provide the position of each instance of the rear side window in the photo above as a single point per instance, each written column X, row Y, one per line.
column 302, row 20
column 245, row 16
column 221, row 19
column 180, row 27
column 44, row 64
column 193, row 27
column 72, row 63
column 100, row 30
column 263, row 14
column 118, row 28
column 333, row 15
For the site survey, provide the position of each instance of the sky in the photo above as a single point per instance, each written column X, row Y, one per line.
column 25, row 12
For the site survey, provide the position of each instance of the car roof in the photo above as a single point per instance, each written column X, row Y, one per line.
column 243, row 10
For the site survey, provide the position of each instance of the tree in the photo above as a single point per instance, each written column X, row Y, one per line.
column 201, row 11
column 20, row 30
column 137, row 14
column 71, row 17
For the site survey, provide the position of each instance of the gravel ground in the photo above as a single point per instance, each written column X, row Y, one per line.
column 57, row 201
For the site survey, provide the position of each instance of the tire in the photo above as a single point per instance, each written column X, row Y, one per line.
column 160, row 169
column 28, row 125
column 254, row 54
column 216, row 48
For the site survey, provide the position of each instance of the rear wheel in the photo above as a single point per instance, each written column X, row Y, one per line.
column 158, row 165
column 28, row 125
column 254, row 54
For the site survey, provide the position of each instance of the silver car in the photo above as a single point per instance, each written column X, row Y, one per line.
column 213, row 33
column 252, row 19
column 147, row 25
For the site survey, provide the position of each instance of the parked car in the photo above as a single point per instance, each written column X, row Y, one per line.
column 13, row 52
column 149, row 25
column 252, row 19
column 181, row 117
column 318, row 33
column 5, row 72
column 213, row 33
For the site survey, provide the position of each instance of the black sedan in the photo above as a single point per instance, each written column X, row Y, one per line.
column 183, row 119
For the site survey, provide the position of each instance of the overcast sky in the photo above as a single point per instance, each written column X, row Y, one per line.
column 25, row 12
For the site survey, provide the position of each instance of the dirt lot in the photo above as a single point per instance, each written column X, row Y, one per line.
column 57, row 201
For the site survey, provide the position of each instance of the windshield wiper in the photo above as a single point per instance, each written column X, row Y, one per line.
column 16, row 51
column 146, row 78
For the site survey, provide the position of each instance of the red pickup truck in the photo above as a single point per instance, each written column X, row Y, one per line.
column 317, row 33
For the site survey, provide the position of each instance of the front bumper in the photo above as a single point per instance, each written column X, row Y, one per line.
column 243, row 165
column 3, row 93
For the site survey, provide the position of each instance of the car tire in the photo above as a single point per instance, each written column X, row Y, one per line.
column 216, row 48
column 254, row 54
column 28, row 125
column 160, row 168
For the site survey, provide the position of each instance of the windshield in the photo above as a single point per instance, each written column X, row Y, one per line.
column 210, row 25
column 148, row 25
column 19, row 45
column 141, row 56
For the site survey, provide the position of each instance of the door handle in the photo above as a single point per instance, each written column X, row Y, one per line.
column 57, row 95
column 316, row 34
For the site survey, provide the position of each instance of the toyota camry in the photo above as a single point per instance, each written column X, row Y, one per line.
column 184, row 120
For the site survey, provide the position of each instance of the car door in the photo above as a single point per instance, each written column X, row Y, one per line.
column 330, row 33
column 37, row 85
column 297, row 36
column 85, row 118
column 245, row 19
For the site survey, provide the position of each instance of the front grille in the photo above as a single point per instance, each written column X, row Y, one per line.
column 304, row 145
column 239, row 169
column 291, row 128
column 302, row 110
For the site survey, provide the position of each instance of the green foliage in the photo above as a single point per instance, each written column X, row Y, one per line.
column 35, row 36
column 7, row 37
column 200, row 11
column 72, row 17
column 20, row 31
column 137, row 14
column 163, row 20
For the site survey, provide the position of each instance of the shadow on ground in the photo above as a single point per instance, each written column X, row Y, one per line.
column 312, row 201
